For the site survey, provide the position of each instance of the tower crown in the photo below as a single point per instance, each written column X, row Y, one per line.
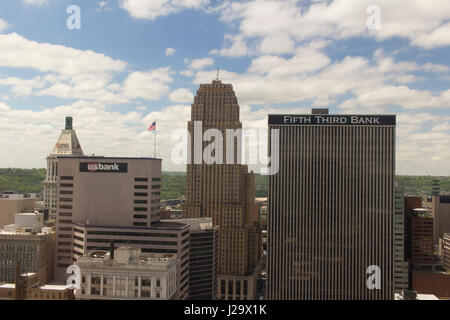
column 67, row 144
column 69, row 121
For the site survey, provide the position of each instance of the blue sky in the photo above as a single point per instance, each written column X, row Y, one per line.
column 136, row 61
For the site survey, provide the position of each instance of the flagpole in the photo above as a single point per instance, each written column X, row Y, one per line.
column 154, row 146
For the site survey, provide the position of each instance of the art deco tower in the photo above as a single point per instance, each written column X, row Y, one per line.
column 224, row 192
column 67, row 145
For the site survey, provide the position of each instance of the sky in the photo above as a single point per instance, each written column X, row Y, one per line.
column 121, row 64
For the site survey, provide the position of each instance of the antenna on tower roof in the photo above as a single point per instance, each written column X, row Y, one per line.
column 218, row 71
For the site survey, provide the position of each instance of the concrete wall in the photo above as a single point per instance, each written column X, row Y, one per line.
column 9, row 208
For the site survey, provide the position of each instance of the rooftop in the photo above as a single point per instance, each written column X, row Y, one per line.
column 194, row 223
column 57, row 287
column 127, row 256
column 108, row 158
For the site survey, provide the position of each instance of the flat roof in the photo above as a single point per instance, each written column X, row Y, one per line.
column 109, row 158
column 156, row 226
column 55, row 286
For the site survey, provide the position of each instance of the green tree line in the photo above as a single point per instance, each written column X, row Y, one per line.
column 174, row 183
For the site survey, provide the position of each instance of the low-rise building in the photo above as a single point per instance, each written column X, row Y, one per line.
column 436, row 283
column 27, row 241
column 12, row 203
column 29, row 288
column 127, row 273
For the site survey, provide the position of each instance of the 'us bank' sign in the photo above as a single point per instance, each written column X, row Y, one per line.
column 103, row 167
column 355, row 120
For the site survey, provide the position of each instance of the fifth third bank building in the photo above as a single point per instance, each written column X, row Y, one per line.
column 331, row 207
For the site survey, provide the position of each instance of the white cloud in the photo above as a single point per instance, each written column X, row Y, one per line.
column 19, row 52
column 103, row 5
column 237, row 47
column 23, row 87
column 439, row 37
column 151, row 9
column 170, row 51
column 76, row 74
column 150, row 85
column 3, row 25
column 36, row 2
column 200, row 64
column 306, row 59
column 442, row 127
column 69, row 72
column 310, row 75
column 278, row 24
column 181, row 96
column 187, row 73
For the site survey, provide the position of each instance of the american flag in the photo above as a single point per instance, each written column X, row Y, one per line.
column 152, row 126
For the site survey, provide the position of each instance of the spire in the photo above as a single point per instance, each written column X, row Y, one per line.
column 69, row 123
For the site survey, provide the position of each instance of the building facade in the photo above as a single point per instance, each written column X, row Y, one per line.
column 67, row 145
column 401, row 266
column 28, row 287
column 12, row 203
column 103, row 200
column 331, row 207
column 410, row 203
column 162, row 237
column 446, row 250
column 203, row 258
column 30, row 243
column 223, row 189
column 422, row 244
column 127, row 274
column 440, row 208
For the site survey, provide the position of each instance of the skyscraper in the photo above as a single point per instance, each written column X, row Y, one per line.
column 331, row 207
column 224, row 191
column 67, row 145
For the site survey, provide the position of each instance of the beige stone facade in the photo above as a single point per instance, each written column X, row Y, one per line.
column 32, row 246
column 99, row 191
column 224, row 192
column 440, row 208
column 10, row 204
column 128, row 275
column 67, row 145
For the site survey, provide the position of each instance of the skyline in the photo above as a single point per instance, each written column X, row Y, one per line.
column 130, row 65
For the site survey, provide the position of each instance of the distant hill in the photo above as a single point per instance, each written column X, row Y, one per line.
column 174, row 183
column 22, row 180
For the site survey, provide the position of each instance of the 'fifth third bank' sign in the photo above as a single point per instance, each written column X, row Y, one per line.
column 342, row 120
